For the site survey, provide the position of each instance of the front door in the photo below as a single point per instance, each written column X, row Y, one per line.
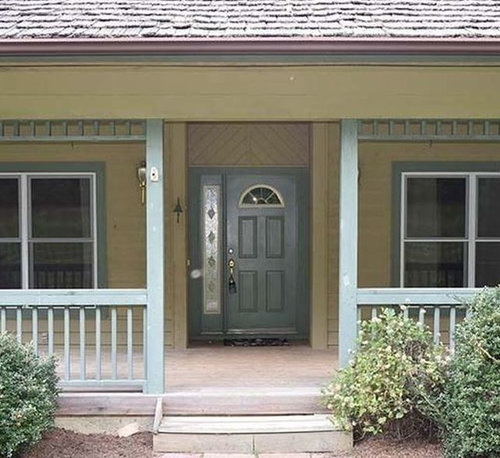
column 262, row 245
column 248, row 253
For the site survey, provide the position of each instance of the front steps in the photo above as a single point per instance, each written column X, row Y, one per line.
column 250, row 434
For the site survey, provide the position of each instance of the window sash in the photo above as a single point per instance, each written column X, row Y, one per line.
column 471, row 238
column 25, row 239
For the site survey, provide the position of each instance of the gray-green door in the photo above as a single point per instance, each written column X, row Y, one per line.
column 262, row 241
column 257, row 218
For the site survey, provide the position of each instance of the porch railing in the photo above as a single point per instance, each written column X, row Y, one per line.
column 98, row 336
column 438, row 308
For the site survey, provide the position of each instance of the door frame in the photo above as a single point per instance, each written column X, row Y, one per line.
column 302, row 175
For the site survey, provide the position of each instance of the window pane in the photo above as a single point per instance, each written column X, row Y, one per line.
column 435, row 264
column 60, row 207
column 436, row 207
column 62, row 265
column 10, row 265
column 488, row 211
column 487, row 264
column 9, row 207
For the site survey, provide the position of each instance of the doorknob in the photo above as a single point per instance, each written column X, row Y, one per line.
column 232, row 283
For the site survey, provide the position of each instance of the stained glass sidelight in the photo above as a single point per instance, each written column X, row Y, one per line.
column 211, row 250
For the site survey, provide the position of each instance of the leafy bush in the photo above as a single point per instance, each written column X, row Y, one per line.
column 471, row 398
column 28, row 394
column 390, row 381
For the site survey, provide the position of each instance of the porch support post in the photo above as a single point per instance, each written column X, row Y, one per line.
column 348, row 239
column 155, row 252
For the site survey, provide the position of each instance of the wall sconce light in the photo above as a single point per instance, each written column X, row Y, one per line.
column 178, row 209
column 141, row 178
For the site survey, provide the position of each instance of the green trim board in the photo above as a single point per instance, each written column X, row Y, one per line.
column 99, row 169
column 398, row 168
column 348, row 239
column 275, row 59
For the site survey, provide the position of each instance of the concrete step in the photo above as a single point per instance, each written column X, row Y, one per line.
column 244, row 401
column 250, row 434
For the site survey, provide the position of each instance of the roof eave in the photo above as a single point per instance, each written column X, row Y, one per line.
column 243, row 46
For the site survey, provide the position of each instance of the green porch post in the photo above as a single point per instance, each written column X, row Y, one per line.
column 348, row 239
column 155, row 363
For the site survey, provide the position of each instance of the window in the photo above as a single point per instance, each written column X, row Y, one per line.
column 47, row 230
column 450, row 230
column 261, row 196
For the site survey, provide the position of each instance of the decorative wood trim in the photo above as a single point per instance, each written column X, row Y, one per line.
column 72, row 131
column 248, row 144
column 418, row 130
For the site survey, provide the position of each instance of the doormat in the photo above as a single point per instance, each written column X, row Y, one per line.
column 257, row 342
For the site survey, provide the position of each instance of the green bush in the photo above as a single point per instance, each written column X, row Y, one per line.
column 390, row 382
column 471, row 398
column 28, row 395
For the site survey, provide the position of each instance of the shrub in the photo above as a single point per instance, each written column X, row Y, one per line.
column 471, row 398
column 389, row 383
column 28, row 395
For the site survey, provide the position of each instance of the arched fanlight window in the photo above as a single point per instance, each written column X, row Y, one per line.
column 261, row 196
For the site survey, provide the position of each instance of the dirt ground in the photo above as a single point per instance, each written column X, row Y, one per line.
column 61, row 443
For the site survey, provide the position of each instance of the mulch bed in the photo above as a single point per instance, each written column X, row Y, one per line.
column 386, row 448
column 60, row 443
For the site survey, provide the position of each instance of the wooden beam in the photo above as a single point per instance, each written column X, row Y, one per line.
column 348, row 239
column 415, row 296
column 155, row 250
column 69, row 297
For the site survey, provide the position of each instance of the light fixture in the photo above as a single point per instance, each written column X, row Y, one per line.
column 141, row 178
column 178, row 209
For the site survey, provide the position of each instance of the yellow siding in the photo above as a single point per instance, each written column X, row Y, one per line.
column 248, row 93
column 125, row 224
column 375, row 207
column 125, row 214
column 376, row 190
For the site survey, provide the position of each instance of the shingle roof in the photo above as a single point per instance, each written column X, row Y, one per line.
column 249, row 18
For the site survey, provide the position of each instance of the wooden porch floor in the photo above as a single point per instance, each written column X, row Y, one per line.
column 217, row 380
column 296, row 366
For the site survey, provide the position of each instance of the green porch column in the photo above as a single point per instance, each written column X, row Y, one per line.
column 348, row 239
column 155, row 251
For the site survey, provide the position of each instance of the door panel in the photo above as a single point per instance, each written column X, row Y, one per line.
column 248, row 236
column 275, row 291
column 275, row 237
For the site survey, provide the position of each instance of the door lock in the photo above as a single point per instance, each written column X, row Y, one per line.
column 232, row 282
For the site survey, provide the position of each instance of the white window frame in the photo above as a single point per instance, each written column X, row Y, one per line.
column 25, row 227
column 471, row 218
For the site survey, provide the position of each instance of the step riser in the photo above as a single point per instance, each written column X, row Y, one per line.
column 297, row 442
column 229, row 405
